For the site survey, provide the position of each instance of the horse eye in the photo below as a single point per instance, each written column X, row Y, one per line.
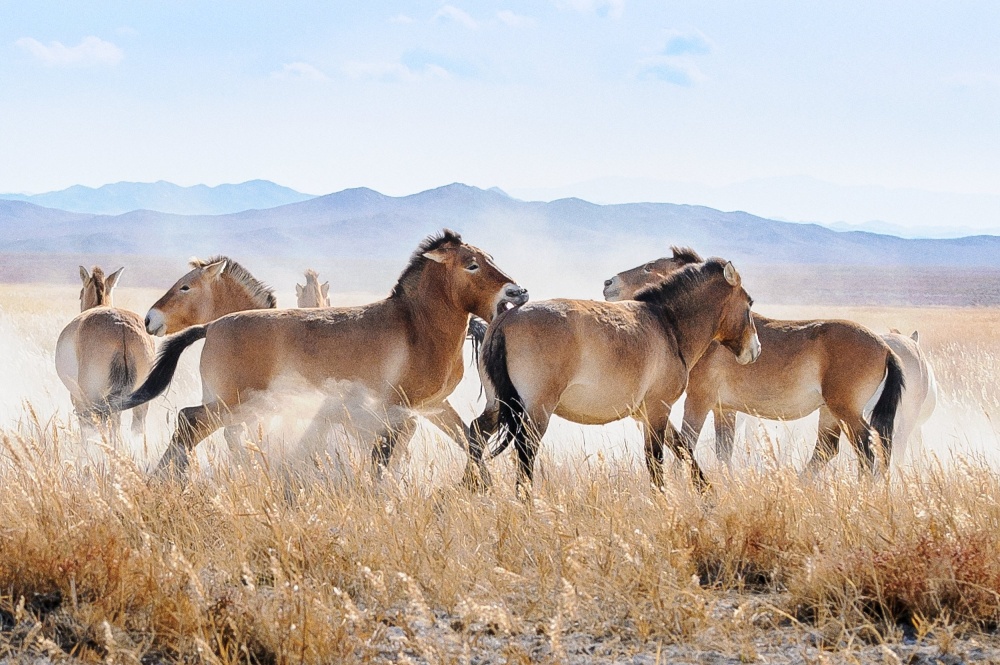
column 648, row 267
column 185, row 288
column 473, row 267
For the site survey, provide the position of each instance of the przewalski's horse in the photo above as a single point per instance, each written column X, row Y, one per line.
column 403, row 352
column 103, row 353
column 593, row 362
column 920, row 396
column 313, row 294
column 833, row 366
column 212, row 288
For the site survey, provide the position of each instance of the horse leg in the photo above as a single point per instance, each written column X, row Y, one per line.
column 139, row 419
column 725, row 434
column 527, row 438
column 696, row 409
column 827, row 440
column 194, row 424
column 387, row 440
column 653, row 435
column 234, row 442
column 861, row 435
column 685, row 453
column 476, row 476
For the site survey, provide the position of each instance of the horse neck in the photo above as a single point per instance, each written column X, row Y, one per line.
column 697, row 319
column 439, row 322
column 230, row 296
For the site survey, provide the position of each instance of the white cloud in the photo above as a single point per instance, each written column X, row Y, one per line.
column 301, row 70
column 393, row 71
column 401, row 18
column 611, row 8
column 89, row 52
column 452, row 13
column 678, row 70
column 515, row 20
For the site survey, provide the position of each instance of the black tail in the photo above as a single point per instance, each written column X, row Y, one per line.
column 476, row 332
column 163, row 371
column 884, row 413
column 121, row 378
column 511, row 419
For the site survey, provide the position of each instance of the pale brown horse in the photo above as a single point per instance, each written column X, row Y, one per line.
column 834, row 366
column 313, row 294
column 919, row 399
column 103, row 353
column 594, row 362
column 212, row 288
column 403, row 353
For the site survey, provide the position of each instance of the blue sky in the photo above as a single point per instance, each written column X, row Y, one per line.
column 528, row 96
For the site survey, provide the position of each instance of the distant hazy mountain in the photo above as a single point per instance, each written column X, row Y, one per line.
column 914, row 212
column 167, row 197
column 364, row 223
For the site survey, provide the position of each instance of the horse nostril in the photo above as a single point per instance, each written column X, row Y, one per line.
column 514, row 291
column 147, row 320
column 607, row 282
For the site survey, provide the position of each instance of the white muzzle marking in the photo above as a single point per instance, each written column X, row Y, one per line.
column 751, row 353
column 156, row 324
column 612, row 290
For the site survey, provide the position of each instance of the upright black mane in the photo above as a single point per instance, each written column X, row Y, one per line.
column 418, row 260
column 686, row 254
column 680, row 283
column 262, row 294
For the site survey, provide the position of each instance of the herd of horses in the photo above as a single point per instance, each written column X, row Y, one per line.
column 676, row 325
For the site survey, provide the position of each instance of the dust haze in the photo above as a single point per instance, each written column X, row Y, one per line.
column 31, row 316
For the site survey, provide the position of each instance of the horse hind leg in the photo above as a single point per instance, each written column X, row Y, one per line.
column 685, row 453
column 477, row 476
column 527, row 439
column 393, row 434
column 194, row 424
column 725, row 435
column 827, row 440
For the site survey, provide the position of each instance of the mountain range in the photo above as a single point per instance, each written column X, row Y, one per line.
column 364, row 223
column 162, row 196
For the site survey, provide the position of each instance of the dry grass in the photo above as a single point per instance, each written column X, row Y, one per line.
column 243, row 565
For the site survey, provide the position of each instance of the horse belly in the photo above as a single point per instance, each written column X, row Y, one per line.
column 785, row 393
column 599, row 400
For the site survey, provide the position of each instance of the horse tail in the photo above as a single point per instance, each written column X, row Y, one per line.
column 511, row 415
column 121, row 378
column 163, row 370
column 884, row 413
column 476, row 333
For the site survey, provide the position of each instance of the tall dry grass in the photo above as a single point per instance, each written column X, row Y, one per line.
column 254, row 564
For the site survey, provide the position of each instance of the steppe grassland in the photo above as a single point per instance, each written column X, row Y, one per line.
column 241, row 566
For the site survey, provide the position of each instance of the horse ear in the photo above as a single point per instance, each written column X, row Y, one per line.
column 729, row 272
column 298, row 290
column 84, row 275
column 915, row 336
column 213, row 270
column 325, row 288
column 437, row 255
column 112, row 280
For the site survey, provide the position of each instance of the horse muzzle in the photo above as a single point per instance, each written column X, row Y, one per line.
column 751, row 352
column 156, row 324
column 612, row 289
column 512, row 296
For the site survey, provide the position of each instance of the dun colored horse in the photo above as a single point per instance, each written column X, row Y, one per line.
column 313, row 294
column 211, row 289
column 402, row 353
column 920, row 397
column 596, row 362
column 833, row 366
column 103, row 353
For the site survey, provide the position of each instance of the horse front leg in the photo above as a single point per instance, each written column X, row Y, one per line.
column 654, row 442
column 685, row 453
column 476, row 476
column 827, row 440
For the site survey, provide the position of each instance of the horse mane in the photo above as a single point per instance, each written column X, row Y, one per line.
column 100, row 286
column 418, row 261
column 682, row 282
column 311, row 276
column 259, row 292
column 686, row 254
